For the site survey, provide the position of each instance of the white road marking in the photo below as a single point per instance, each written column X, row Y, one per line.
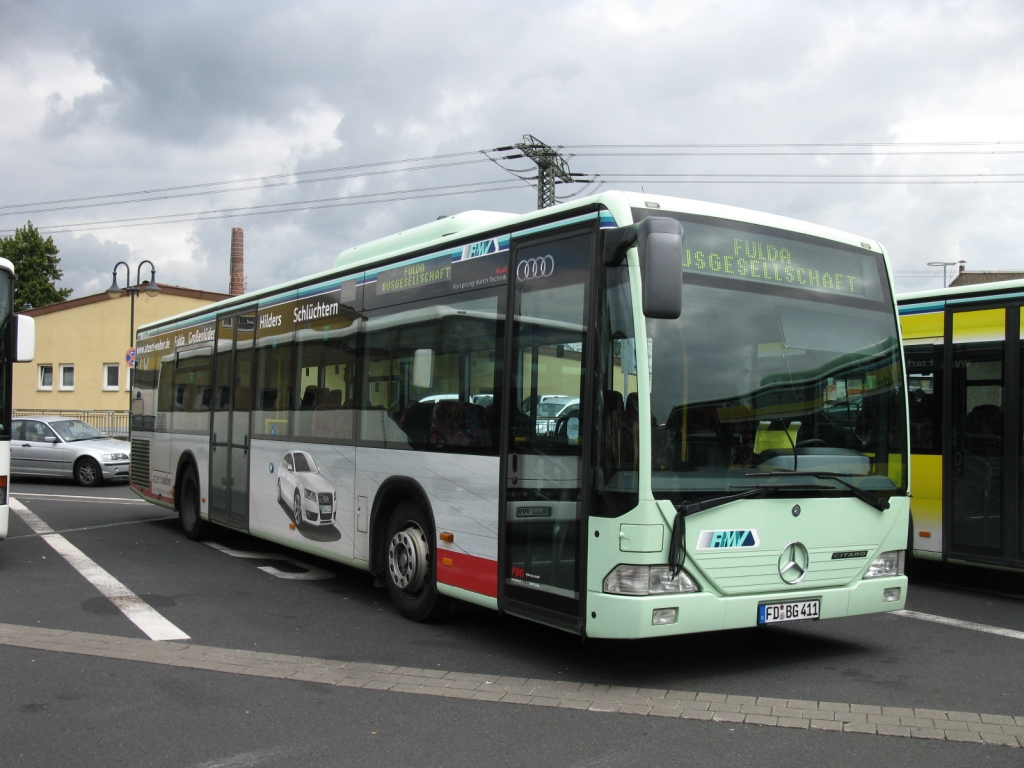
column 138, row 611
column 313, row 573
column 121, row 499
column 94, row 527
column 1015, row 634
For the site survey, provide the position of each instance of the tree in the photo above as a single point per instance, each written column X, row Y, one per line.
column 36, row 268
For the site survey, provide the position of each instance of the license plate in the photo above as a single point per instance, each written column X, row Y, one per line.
column 799, row 610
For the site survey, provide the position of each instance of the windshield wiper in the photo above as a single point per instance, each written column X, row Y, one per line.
column 677, row 548
column 867, row 497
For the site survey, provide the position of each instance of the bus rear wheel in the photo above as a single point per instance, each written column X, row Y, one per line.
column 409, row 564
column 188, row 506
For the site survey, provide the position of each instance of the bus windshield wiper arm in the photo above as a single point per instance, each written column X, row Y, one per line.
column 867, row 497
column 717, row 501
column 677, row 547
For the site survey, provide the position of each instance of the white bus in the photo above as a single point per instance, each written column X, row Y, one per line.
column 627, row 416
column 17, row 344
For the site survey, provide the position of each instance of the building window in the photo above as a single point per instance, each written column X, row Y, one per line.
column 46, row 377
column 111, row 376
column 67, row 378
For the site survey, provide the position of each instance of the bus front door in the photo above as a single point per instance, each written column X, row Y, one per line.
column 981, row 475
column 229, row 434
column 540, row 562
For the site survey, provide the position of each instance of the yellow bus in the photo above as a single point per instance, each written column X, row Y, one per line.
column 962, row 348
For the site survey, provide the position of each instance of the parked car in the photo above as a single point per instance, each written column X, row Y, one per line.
column 59, row 446
column 550, row 409
column 305, row 491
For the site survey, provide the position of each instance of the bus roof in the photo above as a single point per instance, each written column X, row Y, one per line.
column 939, row 296
column 462, row 227
column 5, row 264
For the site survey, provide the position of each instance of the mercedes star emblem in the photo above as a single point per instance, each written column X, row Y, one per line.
column 793, row 562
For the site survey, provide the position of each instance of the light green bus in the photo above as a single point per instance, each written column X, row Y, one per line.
column 628, row 416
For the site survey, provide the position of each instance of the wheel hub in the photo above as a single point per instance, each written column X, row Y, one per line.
column 408, row 556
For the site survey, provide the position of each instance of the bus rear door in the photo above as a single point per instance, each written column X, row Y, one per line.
column 229, row 434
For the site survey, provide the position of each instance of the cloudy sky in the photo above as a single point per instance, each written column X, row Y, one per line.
column 102, row 99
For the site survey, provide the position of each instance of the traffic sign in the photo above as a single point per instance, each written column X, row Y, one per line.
column 129, row 357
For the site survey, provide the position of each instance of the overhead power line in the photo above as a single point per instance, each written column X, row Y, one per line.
column 295, row 207
column 704, row 145
column 179, row 195
column 746, row 178
column 551, row 169
column 802, row 153
column 272, row 177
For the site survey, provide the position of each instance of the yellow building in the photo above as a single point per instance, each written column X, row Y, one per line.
column 79, row 363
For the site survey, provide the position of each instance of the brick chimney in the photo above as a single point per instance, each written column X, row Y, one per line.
column 236, row 284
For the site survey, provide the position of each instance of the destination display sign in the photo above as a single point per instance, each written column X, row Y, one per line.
column 151, row 350
column 769, row 257
column 331, row 310
column 421, row 273
column 480, row 265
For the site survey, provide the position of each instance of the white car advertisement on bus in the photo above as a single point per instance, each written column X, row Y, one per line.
column 305, row 491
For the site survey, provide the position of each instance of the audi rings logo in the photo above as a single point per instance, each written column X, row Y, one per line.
column 535, row 268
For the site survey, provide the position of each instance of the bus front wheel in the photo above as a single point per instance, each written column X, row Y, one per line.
column 409, row 565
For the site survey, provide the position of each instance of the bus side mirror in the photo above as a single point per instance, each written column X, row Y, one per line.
column 24, row 338
column 660, row 243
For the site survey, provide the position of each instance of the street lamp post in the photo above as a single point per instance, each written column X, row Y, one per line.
column 944, row 264
column 114, row 291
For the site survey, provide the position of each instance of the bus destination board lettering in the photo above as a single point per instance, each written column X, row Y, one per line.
column 434, row 271
column 753, row 256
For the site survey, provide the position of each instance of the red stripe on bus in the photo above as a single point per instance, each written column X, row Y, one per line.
column 474, row 574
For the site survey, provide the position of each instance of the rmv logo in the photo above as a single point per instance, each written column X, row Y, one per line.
column 727, row 539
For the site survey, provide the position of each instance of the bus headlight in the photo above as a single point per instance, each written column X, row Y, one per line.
column 648, row 580
column 886, row 564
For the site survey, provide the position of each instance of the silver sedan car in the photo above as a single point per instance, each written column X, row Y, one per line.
column 60, row 446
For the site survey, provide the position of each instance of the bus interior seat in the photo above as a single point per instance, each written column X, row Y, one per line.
column 984, row 430
column 308, row 398
column 415, row 421
column 457, row 423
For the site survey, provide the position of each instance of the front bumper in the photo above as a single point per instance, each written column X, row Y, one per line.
column 115, row 470
column 621, row 616
column 317, row 515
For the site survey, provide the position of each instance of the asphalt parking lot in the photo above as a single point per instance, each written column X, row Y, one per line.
column 93, row 693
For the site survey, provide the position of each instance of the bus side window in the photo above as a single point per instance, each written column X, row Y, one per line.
column 431, row 368
column 617, row 417
column 924, row 376
column 165, row 394
column 275, row 389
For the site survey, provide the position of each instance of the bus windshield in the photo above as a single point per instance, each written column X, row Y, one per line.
column 762, row 376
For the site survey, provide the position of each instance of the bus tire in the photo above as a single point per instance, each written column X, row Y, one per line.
column 88, row 473
column 409, row 560
column 188, row 506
